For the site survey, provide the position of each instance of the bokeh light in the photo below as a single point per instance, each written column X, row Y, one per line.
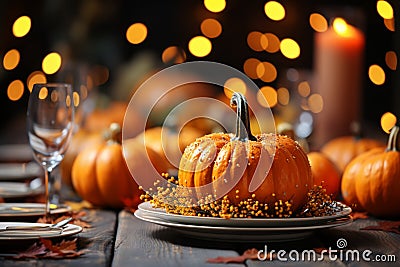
column 11, row 59
column 304, row 88
column 21, row 26
column 273, row 43
column 51, row 63
column 173, row 54
column 136, row 33
column 76, row 98
column 15, row 90
column 35, row 77
column 318, row 22
column 211, row 28
column 200, row 46
column 315, row 103
column 257, row 41
column 283, row 96
column 267, row 97
column 389, row 24
column 100, row 75
column 376, row 74
column 215, row 5
column 385, row 10
column 43, row 93
column 388, row 120
column 290, row 48
column 266, row 71
column 250, row 67
column 274, row 10
column 234, row 85
column 391, row 60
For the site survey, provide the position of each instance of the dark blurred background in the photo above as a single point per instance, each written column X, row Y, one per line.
column 91, row 33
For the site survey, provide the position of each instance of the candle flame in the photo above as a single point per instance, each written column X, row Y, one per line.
column 340, row 26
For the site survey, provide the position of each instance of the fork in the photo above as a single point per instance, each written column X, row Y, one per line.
column 56, row 226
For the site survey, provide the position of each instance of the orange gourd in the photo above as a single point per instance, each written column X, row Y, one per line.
column 371, row 180
column 324, row 173
column 221, row 158
column 343, row 149
column 100, row 174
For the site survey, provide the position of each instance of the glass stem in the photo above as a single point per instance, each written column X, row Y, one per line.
column 47, row 174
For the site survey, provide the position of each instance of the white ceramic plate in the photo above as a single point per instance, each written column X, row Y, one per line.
column 239, row 222
column 18, row 190
column 28, row 209
column 243, row 234
column 19, row 171
column 69, row 229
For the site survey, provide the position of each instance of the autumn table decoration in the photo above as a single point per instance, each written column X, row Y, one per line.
column 100, row 174
column 371, row 180
column 342, row 150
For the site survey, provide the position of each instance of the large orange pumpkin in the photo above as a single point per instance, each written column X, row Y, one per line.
column 101, row 176
column 325, row 173
column 371, row 180
column 222, row 158
column 81, row 140
column 343, row 149
column 168, row 143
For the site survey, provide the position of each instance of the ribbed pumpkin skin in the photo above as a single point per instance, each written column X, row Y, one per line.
column 223, row 161
column 343, row 149
column 195, row 167
column 373, row 180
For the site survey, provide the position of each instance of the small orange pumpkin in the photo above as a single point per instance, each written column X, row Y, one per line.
column 222, row 157
column 324, row 173
column 343, row 149
column 100, row 174
column 371, row 180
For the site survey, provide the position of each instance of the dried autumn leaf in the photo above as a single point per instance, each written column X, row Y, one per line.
column 358, row 215
column 46, row 249
column 386, row 226
column 77, row 216
column 33, row 252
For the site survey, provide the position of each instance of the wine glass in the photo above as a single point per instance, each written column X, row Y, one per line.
column 50, row 121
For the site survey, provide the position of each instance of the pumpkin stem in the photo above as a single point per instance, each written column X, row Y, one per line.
column 113, row 133
column 243, row 132
column 392, row 143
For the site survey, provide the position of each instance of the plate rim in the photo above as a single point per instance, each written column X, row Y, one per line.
column 73, row 229
column 335, row 223
column 63, row 209
column 214, row 221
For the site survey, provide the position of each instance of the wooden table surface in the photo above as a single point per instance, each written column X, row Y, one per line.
column 121, row 239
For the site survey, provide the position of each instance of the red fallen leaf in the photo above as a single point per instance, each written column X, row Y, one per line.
column 46, row 249
column 386, row 226
column 358, row 215
column 77, row 216
column 250, row 254
column 36, row 250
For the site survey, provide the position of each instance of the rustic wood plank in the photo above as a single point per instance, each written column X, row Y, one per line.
column 380, row 243
column 140, row 243
column 97, row 241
